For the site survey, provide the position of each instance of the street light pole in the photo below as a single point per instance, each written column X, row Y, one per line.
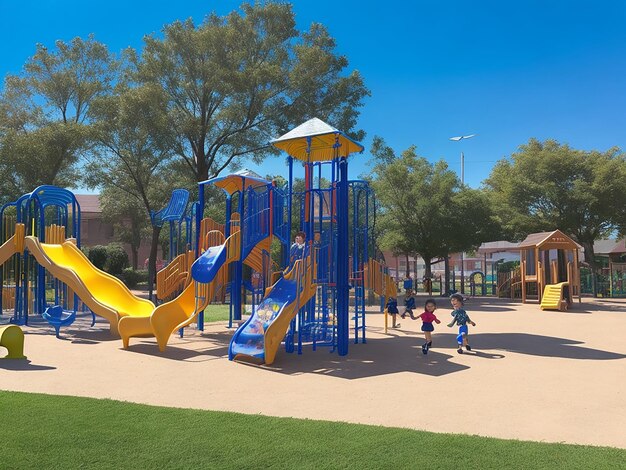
column 457, row 139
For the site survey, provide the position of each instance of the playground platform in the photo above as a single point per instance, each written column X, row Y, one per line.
column 533, row 375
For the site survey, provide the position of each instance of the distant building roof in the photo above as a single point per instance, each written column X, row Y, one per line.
column 619, row 247
column 497, row 247
column 604, row 247
column 89, row 203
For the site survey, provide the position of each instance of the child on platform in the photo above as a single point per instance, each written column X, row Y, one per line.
column 461, row 318
column 428, row 317
column 409, row 304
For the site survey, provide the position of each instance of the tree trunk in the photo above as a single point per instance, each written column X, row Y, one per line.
column 590, row 259
column 154, row 246
column 408, row 266
column 428, row 274
column 446, row 263
column 134, row 254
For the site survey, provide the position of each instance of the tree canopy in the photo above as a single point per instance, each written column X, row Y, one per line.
column 425, row 208
column 547, row 185
column 236, row 81
column 44, row 114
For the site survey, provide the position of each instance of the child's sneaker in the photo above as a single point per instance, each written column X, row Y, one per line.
column 460, row 350
column 397, row 325
column 468, row 347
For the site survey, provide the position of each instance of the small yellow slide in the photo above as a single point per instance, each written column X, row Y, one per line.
column 182, row 311
column 554, row 297
column 104, row 294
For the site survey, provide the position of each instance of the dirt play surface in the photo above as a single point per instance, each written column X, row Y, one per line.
column 533, row 375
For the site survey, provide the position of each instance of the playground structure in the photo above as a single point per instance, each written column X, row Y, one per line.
column 549, row 270
column 311, row 301
column 170, row 279
column 49, row 214
column 298, row 301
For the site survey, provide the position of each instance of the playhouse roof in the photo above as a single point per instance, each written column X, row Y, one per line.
column 316, row 141
column 238, row 181
column 549, row 241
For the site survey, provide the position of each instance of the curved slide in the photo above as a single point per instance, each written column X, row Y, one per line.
column 180, row 312
column 259, row 338
column 104, row 294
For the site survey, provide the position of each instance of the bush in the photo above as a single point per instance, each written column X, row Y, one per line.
column 132, row 278
column 98, row 256
column 116, row 259
column 507, row 266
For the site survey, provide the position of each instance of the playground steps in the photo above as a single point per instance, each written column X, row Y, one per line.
column 554, row 297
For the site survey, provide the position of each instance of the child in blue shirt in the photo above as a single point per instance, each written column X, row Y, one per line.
column 392, row 309
column 409, row 304
column 461, row 318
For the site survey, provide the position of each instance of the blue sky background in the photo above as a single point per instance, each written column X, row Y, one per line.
column 506, row 71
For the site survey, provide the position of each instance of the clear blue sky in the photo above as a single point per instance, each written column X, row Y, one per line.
column 506, row 71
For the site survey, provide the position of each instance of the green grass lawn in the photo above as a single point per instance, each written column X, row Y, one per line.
column 216, row 312
column 47, row 431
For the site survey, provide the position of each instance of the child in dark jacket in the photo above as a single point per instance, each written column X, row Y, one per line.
column 409, row 304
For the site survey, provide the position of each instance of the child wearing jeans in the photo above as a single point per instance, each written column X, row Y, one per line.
column 428, row 317
column 409, row 304
column 461, row 318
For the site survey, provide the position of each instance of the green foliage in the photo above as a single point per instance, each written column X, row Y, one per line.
column 45, row 114
column 508, row 266
column 425, row 209
column 547, row 185
column 116, row 259
column 98, row 256
column 232, row 81
column 153, row 436
column 132, row 277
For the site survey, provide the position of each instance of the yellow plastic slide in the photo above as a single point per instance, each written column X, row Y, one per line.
column 168, row 317
column 13, row 245
column 104, row 294
column 554, row 297
column 180, row 312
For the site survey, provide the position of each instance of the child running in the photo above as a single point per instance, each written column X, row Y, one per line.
column 392, row 309
column 461, row 318
column 409, row 304
column 427, row 323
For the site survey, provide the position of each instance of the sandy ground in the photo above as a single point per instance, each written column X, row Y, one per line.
column 533, row 375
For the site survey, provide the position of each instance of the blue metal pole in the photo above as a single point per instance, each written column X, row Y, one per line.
column 343, row 320
column 199, row 215
column 289, row 212
column 235, row 288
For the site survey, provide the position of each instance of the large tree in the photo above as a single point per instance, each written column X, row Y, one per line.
column 44, row 114
column 547, row 185
column 132, row 155
column 425, row 208
column 234, row 82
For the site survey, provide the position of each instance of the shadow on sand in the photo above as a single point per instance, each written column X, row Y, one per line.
column 197, row 348
column 400, row 353
column 22, row 365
